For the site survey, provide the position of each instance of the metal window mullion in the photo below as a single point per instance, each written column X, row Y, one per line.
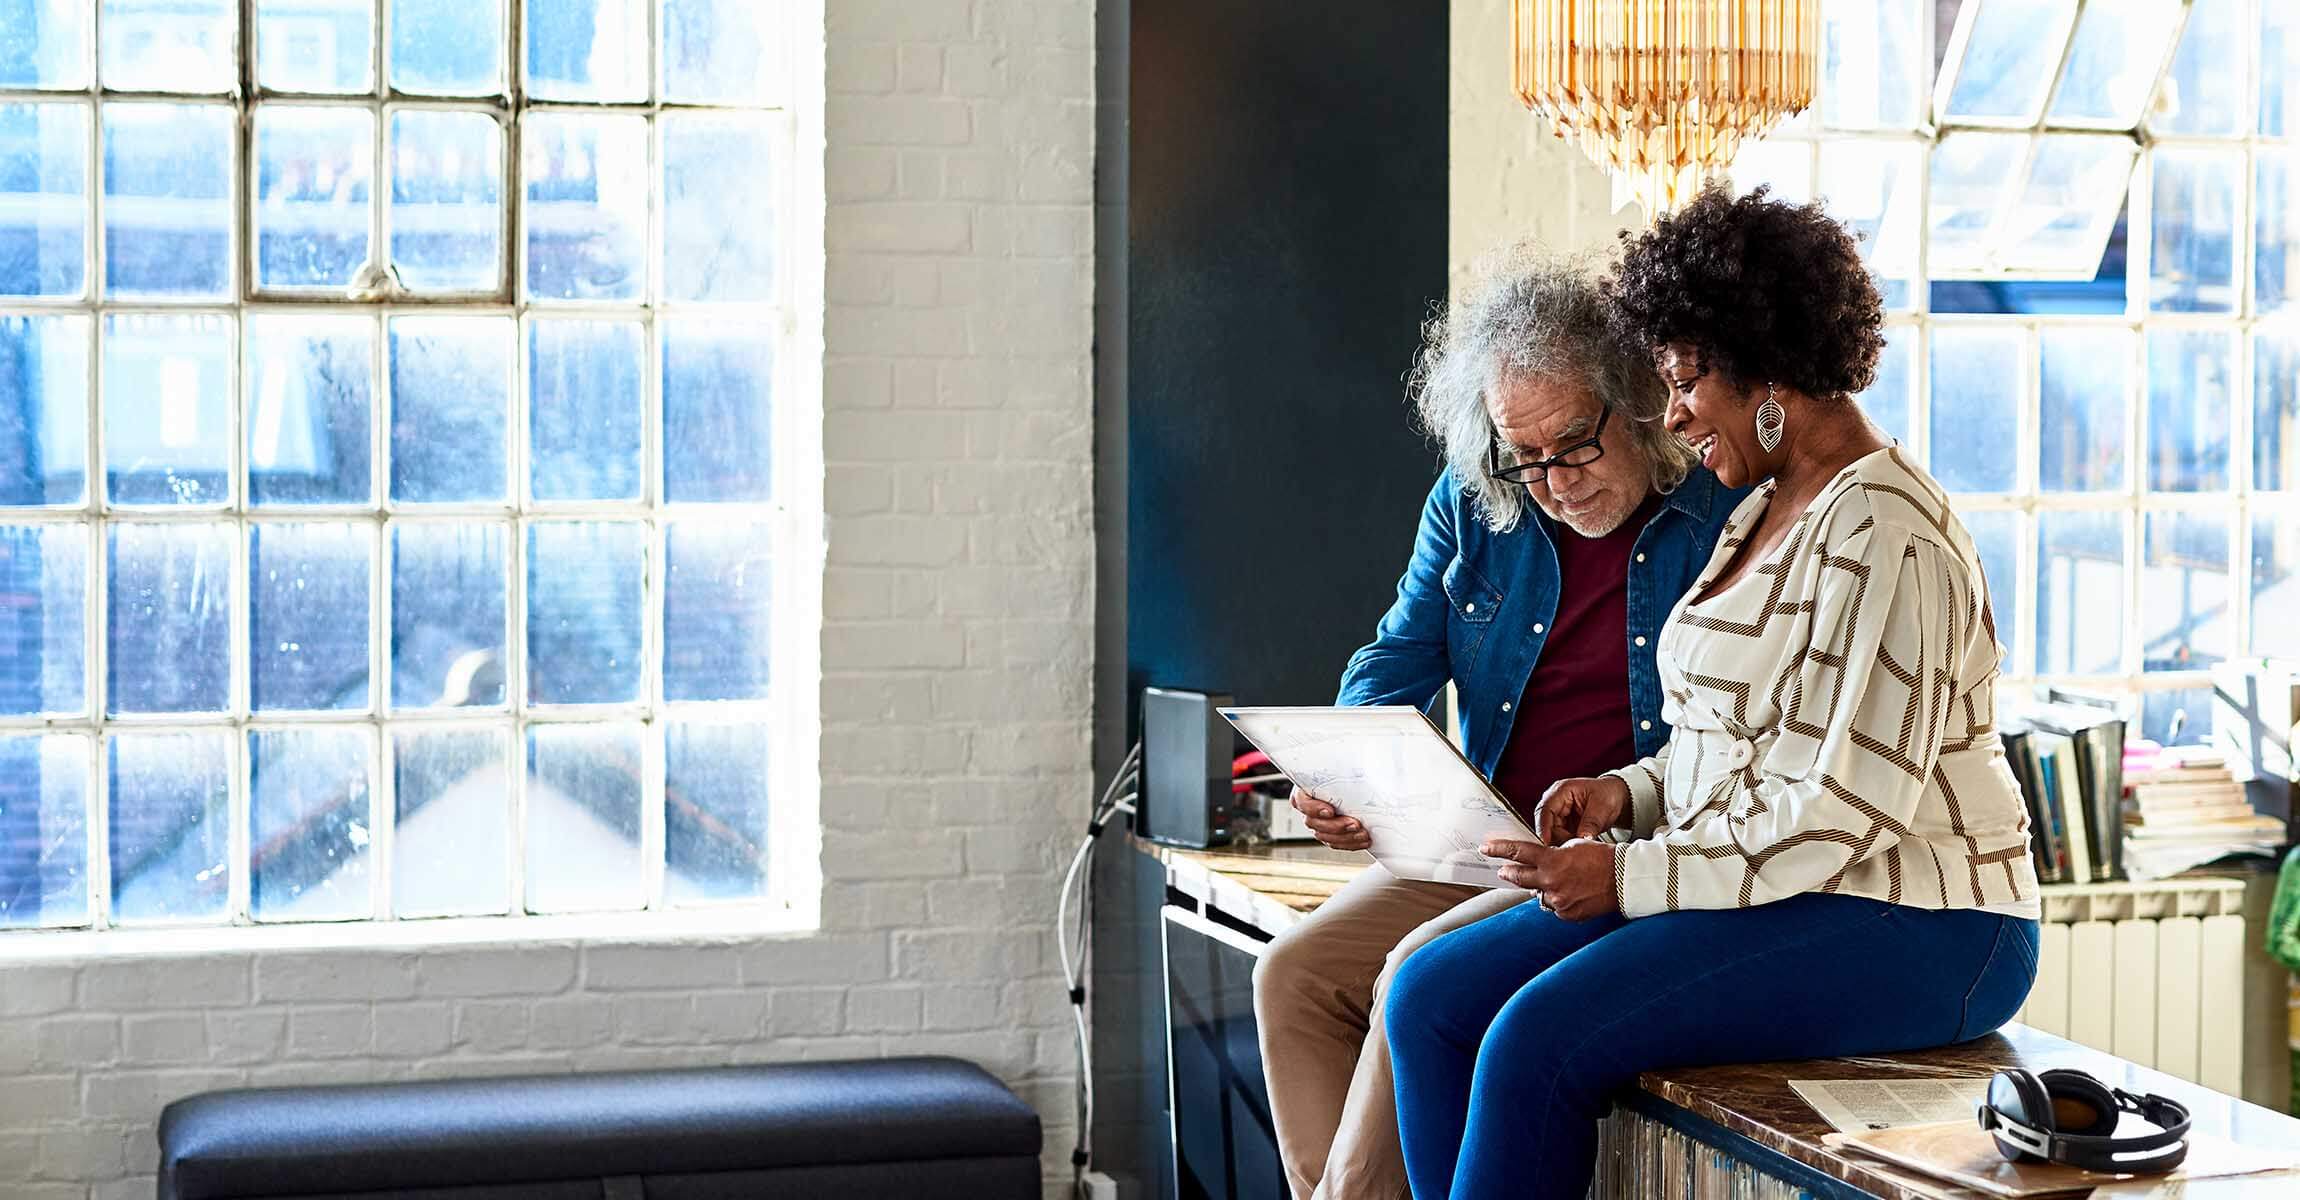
column 654, row 789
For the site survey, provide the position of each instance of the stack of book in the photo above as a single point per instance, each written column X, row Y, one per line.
column 2069, row 761
column 2184, row 807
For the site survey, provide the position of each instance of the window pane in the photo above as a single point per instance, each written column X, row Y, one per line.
column 2204, row 91
column 2275, row 584
column 2186, row 603
column 2087, row 374
column 169, row 45
column 170, row 617
column 43, row 829
column 2112, row 62
column 2275, row 232
column 1781, row 164
column 1887, row 400
column 168, row 200
column 2076, row 185
column 169, row 836
column 2079, row 592
column 44, row 588
column 447, row 201
column 1876, row 187
column 2195, row 229
column 308, row 823
column 719, row 212
column 1976, row 407
column 1873, row 76
column 316, row 45
column 2009, row 61
column 715, row 811
column 167, row 408
column 447, row 594
column 450, row 391
column 586, row 590
column 314, row 189
column 452, row 837
column 585, row 411
column 717, row 606
column 2191, row 373
column 43, row 198
column 2276, row 411
column 43, row 410
column 44, row 44
column 447, row 47
column 311, row 393
column 582, row 834
column 718, row 409
column 586, row 208
column 587, row 49
column 308, row 588
column 1996, row 542
column 2182, row 717
column 2279, row 66
column 1974, row 175
column 719, row 52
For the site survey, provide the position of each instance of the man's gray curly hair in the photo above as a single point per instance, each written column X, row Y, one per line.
column 1532, row 312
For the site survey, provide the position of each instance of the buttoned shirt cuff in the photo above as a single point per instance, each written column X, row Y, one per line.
column 1640, row 878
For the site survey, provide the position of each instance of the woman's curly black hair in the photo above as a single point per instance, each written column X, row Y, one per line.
column 1761, row 289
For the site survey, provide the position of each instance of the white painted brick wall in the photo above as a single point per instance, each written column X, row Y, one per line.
column 956, row 653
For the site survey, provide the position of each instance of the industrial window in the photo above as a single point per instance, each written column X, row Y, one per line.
column 2083, row 217
column 391, row 458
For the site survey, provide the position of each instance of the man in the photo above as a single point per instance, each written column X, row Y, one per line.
column 1542, row 615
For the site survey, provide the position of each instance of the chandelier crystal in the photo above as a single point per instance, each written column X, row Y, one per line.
column 1662, row 92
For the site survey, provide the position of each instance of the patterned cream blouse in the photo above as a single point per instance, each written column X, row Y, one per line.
column 1834, row 715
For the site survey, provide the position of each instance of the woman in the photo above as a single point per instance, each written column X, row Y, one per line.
column 1829, row 856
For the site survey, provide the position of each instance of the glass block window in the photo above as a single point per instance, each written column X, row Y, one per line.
column 2083, row 218
column 391, row 458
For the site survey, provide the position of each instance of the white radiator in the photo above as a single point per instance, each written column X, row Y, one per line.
column 2151, row 972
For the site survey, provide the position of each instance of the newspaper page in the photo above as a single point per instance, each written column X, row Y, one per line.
column 1425, row 807
column 1849, row 1105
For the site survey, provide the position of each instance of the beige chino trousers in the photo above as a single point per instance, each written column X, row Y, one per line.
column 1318, row 993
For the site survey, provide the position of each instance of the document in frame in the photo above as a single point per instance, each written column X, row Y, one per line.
column 1425, row 807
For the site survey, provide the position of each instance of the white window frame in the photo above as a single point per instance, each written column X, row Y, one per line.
column 2239, row 503
column 792, row 518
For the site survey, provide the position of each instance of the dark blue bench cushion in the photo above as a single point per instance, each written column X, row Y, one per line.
column 461, row 1132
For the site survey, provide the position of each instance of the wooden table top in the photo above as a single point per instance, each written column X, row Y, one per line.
column 1272, row 887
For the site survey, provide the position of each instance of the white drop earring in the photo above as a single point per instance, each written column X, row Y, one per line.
column 1771, row 420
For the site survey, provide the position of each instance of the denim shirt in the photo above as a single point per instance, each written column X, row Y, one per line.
column 1475, row 606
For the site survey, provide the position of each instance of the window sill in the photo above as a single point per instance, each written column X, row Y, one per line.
column 729, row 924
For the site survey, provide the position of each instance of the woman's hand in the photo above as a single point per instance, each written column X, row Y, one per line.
column 1580, row 808
column 1574, row 880
column 1330, row 826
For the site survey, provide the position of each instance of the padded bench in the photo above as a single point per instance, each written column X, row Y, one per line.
column 900, row 1127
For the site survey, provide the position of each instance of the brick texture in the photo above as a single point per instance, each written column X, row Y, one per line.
column 956, row 157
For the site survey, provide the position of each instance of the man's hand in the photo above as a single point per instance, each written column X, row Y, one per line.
column 1330, row 826
column 1580, row 808
column 1575, row 880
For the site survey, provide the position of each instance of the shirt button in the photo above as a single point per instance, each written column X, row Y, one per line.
column 1538, row 627
column 1641, row 641
column 1645, row 724
column 1505, row 706
column 1469, row 608
column 1641, row 558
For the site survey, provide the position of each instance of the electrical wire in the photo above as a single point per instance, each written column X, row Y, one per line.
column 1079, row 878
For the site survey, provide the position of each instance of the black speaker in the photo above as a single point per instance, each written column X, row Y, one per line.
column 1186, row 753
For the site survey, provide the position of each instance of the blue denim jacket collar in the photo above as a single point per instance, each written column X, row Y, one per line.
column 1474, row 607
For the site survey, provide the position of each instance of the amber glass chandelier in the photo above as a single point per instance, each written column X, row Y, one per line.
column 1661, row 92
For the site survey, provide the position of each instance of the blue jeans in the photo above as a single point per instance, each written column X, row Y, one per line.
column 1509, row 1036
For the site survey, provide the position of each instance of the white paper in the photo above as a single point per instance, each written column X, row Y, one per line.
column 1426, row 809
column 1849, row 1105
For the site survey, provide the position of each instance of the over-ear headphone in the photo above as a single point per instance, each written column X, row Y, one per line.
column 2067, row 1116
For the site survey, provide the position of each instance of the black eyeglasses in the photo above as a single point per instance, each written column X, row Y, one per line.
column 1579, row 454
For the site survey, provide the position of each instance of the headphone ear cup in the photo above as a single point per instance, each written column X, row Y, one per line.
column 2035, row 1106
column 2079, row 1104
